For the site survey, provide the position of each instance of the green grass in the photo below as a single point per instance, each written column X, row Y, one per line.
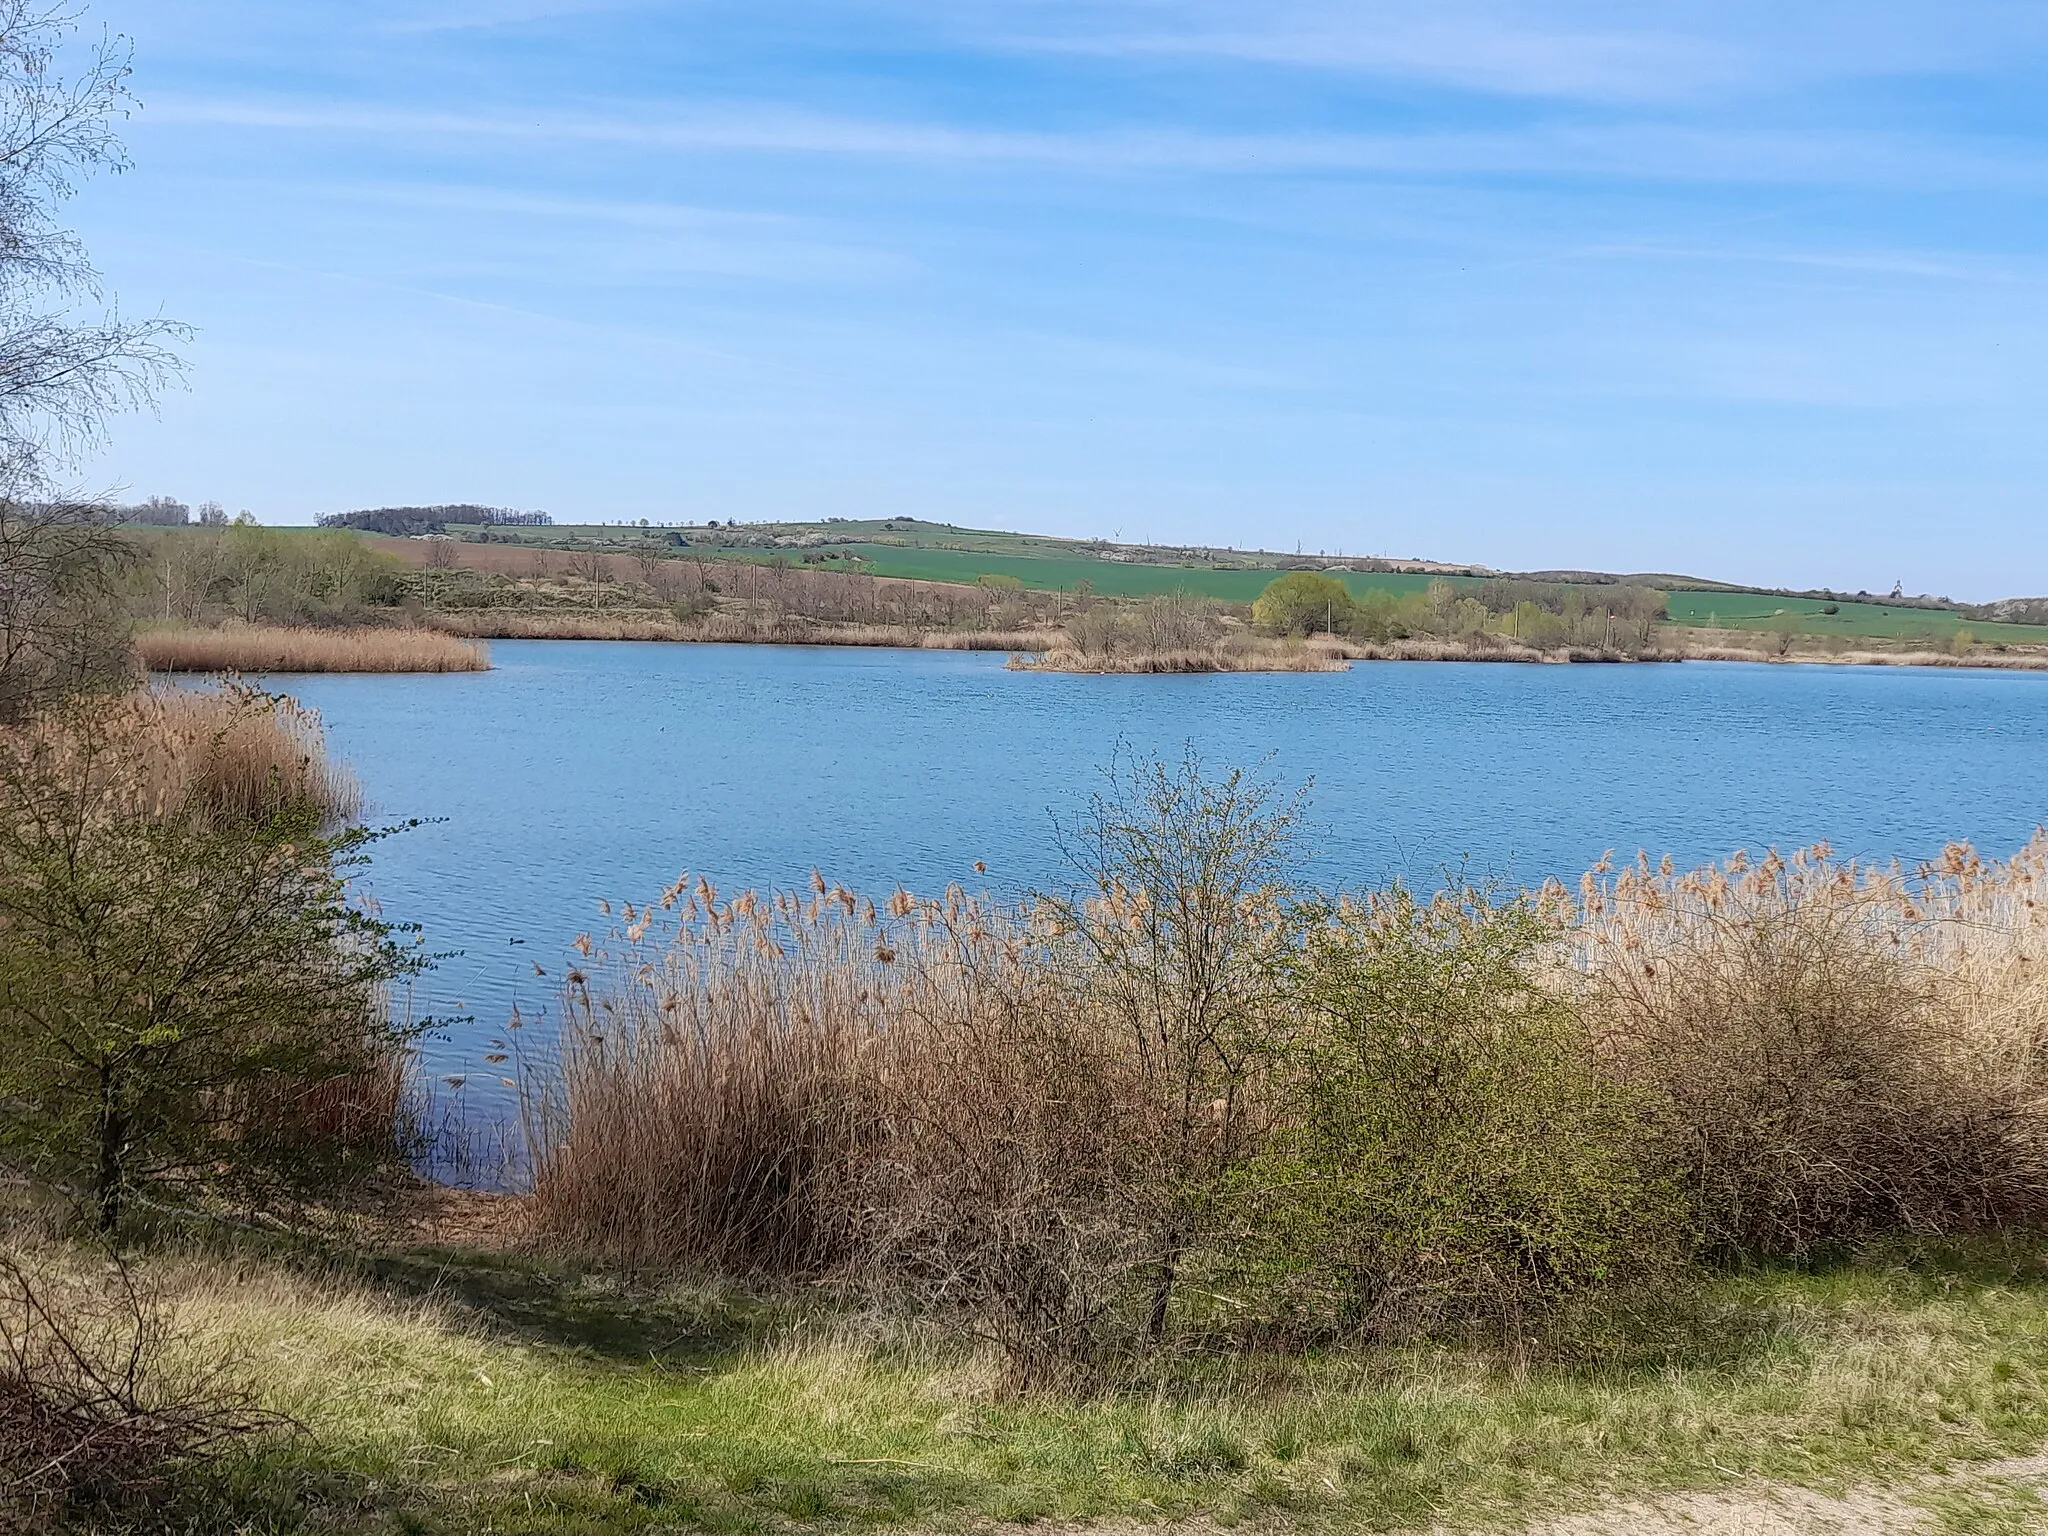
column 1111, row 578
column 1874, row 621
column 941, row 552
column 451, row 1392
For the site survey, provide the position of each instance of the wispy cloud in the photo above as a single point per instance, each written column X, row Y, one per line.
column 636, row 238
column 1631, row 150
column 1596, row 50
column 482, row 15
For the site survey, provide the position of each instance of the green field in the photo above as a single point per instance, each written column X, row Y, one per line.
column 1852, row 620
column 1112, row 578
column 922, row 551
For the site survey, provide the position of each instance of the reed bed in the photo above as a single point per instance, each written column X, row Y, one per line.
column 945, row 1102
column 160, row 752
column 1015, row 641
column 259, row 648
column 1843, row 1049
column 1229, row 651
column 1238, row 652
column 2002, row 661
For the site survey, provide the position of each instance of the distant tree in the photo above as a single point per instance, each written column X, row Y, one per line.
column 158, row 512
column 405, row 522
column 212, row 515
column 1303, row 603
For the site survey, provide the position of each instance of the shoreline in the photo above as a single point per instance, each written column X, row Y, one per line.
column 455, row 643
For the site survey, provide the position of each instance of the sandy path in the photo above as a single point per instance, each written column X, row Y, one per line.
column 1782, row 1511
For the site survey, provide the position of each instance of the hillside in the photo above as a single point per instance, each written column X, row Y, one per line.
column 910, row 549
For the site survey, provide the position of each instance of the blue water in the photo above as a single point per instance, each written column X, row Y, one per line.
column 577, row 770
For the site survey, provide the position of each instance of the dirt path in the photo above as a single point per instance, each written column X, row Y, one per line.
column 1997, row 1496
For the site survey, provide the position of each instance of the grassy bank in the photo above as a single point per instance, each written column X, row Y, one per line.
column 257, row 648
column 444, row 1389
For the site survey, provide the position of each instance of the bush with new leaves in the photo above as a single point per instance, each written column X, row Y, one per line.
column 1447, row 1149
column 190, row 1006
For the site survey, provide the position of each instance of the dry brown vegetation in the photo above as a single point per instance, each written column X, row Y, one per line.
column 95, row 1418
column 232, row 752
column 1841, row 1050
column 1238, row 651
column 719, row 629
column 2012, row 660
column 257, row 648
column 1200, row 1103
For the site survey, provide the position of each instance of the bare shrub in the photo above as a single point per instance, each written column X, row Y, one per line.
column 1186, row 909
column 1019, row 1116
column 1842, row 1050
column 95, row 1416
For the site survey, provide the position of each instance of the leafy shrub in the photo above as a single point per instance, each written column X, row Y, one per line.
column 1303, row 603
column 1449, row 1150
column 187, row 999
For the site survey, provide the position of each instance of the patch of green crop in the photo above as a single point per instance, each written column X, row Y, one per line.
column 1867, row 620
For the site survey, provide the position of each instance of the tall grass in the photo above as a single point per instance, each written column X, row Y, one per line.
column 228, row 753
column 276, row 648
column 1842, row 1049
column 945, row 1102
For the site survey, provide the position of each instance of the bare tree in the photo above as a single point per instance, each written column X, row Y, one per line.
column 61, row 630
column 61, row 375
column 1183, row 903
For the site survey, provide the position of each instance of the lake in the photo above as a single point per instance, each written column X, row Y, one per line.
column 582, row 770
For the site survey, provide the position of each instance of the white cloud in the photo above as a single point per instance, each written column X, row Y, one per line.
column 1600, row 50
column 1634, row 150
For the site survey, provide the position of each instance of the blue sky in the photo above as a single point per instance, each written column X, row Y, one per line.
column 1751, row 290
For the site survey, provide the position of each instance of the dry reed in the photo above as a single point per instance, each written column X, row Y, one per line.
column 1234, row 652
column 938, row 1097
column 1842, row 1049
column 2001, row 661
column 232, row 752
column 713, row 1090
column 258, row 648
column 914, row 1097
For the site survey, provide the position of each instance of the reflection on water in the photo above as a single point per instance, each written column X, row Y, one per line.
column 581, row 770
